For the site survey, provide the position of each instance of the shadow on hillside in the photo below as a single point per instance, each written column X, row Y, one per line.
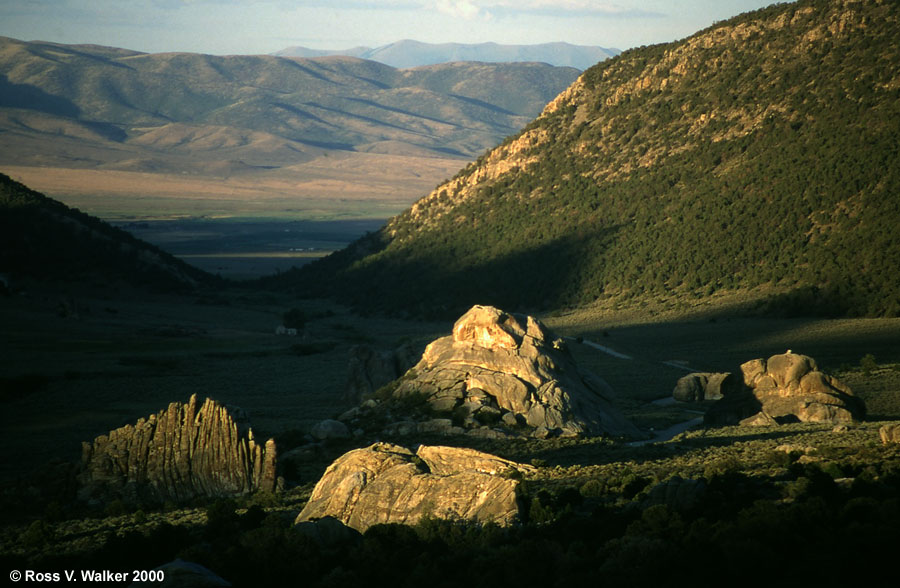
column 33, row 98
column 437, row 285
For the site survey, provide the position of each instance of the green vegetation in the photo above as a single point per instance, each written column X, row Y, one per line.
column 745, row 501
column 760, row 154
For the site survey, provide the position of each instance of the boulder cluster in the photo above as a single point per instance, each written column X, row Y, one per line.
column 507, row 372
column 785, row 388
column 386, row 483
column 182, row 452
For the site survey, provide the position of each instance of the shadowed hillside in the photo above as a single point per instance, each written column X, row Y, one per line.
column 45, row 239
column 759, row 156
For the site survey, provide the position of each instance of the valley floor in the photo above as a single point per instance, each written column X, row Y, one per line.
column 77, row 363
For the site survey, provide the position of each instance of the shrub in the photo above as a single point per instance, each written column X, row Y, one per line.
column 868, row 363
column 37, row 535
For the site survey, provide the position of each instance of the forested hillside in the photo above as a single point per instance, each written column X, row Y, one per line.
column 760, row 154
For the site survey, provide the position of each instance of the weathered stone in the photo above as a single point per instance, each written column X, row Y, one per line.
column 760, row 419
column 541, row 432
column 436, row 426
column 509, row 419
column 330, row 429
column 890, row 433
column 513, row 363
column 370, row 369
column 387, row 483
column 785, row 388
column 486, row 433
column 703, row 386
column 177, row 454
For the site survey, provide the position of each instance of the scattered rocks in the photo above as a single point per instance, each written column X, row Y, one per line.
column 698, row 387
column 496, row 363
column 890, row 433
column 330, row 429
column 180, row 453
column 786, row 388
column 387, row 483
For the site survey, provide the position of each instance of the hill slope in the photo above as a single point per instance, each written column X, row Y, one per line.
column 408, row 53
column 44, row 239
column 122, row 106
column 760, row 154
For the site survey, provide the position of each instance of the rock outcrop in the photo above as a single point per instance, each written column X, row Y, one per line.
column 369, row 369
column 698, row 387
column 889, row 433
column 180, row 453
column 387, row 483
column 785, row 388
column 500, row 367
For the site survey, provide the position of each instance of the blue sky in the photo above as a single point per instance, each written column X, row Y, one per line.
column 264, row 26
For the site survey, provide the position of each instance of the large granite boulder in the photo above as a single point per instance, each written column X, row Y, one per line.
column 180, row 453
column 498, row 366
column 785, row 388
column 387, row 483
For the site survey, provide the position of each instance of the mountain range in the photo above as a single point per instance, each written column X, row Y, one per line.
column 284, row 107
column 408, row 53
column 273, row 119
column 757, row 157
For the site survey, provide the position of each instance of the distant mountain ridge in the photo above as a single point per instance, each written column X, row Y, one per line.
column 408, row 53
column 149, row 112
column 758, row 157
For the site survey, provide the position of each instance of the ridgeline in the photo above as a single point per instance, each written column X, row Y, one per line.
column 761, row 155
column 45, row 239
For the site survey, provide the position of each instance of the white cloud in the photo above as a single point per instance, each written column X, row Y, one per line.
column 459, row 8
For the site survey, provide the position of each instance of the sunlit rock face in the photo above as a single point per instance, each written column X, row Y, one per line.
column 387, row 483
column 182, row 452
column 889, row 433
column 511, row 366
column 787, row 387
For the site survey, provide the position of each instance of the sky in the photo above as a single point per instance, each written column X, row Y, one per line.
column 233, row 27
